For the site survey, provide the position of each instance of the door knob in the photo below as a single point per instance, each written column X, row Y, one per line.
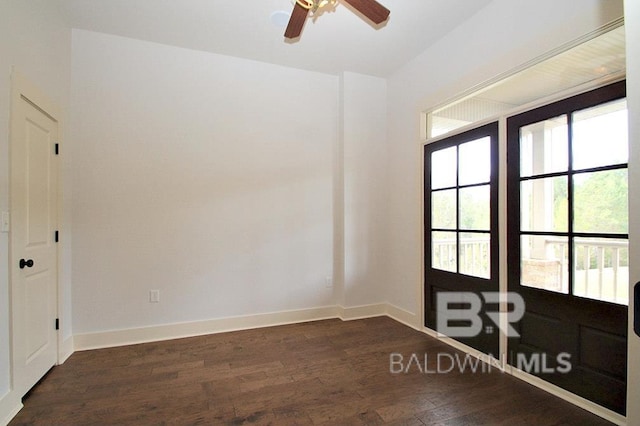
column 28, row 263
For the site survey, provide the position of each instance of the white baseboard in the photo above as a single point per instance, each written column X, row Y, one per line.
column 564, row 394
column 10, row 405
column 107, row 339
column 404, row 317
column 360, row 312
column 133, row 336
column 579, row 401
column 65, row 350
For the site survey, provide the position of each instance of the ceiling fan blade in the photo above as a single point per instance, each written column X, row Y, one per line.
column 373, row 10
column 296, row 22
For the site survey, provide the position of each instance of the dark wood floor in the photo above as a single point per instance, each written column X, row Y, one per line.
column 326, row 372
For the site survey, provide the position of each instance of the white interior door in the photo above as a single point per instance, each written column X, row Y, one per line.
column 33, row 255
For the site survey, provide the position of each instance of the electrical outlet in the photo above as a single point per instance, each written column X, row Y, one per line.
column 328, row 282
column 154, row 296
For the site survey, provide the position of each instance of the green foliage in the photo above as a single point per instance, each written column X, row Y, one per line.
column 474, row 209
column 443, row 209
column 601, row 202
column 561, row 204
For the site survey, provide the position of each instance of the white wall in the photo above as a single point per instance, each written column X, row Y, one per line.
column 35, row 39
column 632, row 27
column 502, row 36
column 206, row 177
column 364, row 147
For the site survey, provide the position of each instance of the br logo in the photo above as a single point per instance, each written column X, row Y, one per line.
column 465, row 307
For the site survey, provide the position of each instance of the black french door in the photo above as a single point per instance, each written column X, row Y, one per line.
column 461, row 227
column 568, row 241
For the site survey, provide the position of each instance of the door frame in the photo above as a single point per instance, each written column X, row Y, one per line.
column 632, row 28
column 21, row 87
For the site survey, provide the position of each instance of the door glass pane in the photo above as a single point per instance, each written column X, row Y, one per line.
column 475, row 258
column 443, row 209
column 544, row 261
column 443, row 168
column 444, row 249
column 475, row 208
column 544, row 205
column 600, row 136
column 601, row 269
column 475, row 161
column 544, row 147
column 601, row 202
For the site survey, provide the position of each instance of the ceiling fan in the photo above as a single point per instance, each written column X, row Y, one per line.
column 373, row 10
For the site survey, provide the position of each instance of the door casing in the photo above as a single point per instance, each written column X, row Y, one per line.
column 632, row 29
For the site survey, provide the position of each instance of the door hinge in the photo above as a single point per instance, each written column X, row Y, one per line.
column 55, row 237
column 57, row 149
column 57, row 324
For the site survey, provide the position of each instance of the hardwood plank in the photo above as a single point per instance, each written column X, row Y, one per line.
column 326, row 372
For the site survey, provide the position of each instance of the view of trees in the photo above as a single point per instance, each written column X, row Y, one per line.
column 601, row 202
column 474, row 209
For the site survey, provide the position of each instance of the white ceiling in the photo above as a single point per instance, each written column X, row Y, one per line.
column 337, row 41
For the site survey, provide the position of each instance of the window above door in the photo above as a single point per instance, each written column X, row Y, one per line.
column 597, row 59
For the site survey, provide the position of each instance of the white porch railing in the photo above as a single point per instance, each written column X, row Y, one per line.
column 474, row 256
column 601, row 266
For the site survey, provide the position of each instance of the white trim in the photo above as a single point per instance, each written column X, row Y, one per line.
column 10, row 405
column 420, row 293
column 503, row 259
column 107, row 339
column 563, row 394
column 555, row 97
column 473, row 90
column 359, row 312
column 132, row 336
column 574, row 399
column 632, row 16
column 66, row 349
column 407, row 318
